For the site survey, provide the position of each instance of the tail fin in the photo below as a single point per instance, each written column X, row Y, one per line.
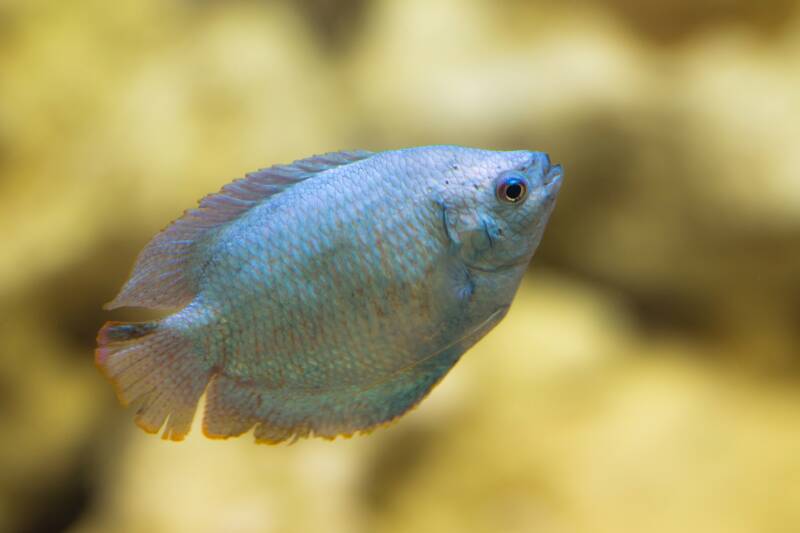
column 153, row 367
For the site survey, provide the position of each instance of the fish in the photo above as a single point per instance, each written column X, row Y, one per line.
column 329, row 296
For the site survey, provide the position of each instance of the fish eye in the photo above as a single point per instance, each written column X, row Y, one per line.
column 512, row 189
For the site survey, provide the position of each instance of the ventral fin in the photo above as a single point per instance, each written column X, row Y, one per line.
column 161, row 277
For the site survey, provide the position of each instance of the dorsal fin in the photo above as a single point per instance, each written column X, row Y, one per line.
column 160, row 278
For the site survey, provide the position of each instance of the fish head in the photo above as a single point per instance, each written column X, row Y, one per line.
column 502, row 207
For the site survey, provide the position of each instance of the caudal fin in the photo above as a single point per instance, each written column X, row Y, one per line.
column 152, row 367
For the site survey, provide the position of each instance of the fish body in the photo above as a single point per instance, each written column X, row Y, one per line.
column 328, row 296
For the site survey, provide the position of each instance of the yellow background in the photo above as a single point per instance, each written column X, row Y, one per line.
column 646, row 378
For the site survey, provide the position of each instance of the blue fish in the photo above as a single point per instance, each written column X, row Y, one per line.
column 328, row 296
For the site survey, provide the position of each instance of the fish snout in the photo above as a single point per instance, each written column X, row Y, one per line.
column 552, row 180
column 543, row 174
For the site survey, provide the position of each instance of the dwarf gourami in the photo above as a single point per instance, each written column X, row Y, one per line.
column 327, row 296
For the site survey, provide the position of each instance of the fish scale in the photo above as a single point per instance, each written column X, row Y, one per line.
column 328, row 296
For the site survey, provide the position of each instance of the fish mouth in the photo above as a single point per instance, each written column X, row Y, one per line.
column 551, row 175
column 552, row 179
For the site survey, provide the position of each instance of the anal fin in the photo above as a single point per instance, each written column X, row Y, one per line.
column 233, row 407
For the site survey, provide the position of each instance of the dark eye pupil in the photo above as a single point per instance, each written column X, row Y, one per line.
column 514, row 191
column 511, row 189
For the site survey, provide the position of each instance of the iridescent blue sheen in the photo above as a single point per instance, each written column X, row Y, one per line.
column 328, row 296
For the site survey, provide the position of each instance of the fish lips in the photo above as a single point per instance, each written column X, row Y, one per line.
column 552, row 180
column 544, row 175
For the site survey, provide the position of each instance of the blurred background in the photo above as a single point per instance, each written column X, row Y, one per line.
column 647, row 377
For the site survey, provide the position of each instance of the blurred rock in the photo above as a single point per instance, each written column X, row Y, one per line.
column 606, row 434
column 465, row 72
column 336, row 22
column 676, row 21
column 134, row 135
column 163, row 486
column 563, row 419
column 48, row 411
